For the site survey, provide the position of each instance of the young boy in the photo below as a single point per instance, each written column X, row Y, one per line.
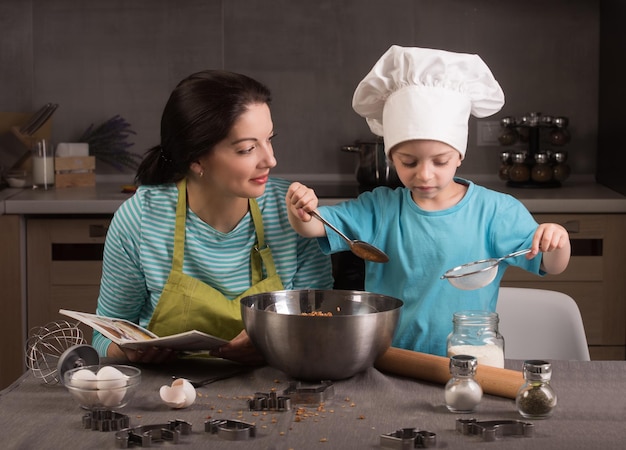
column 420, row 101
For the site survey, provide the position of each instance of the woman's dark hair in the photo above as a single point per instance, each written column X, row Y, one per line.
column 200, row 112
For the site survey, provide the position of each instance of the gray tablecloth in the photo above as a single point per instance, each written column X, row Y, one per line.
column 591, row 411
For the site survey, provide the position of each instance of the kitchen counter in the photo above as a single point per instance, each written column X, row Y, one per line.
column 4, row 194
column 579, row 195
column 104, row 198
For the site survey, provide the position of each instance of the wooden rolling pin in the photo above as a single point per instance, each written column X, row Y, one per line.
column 422, row 366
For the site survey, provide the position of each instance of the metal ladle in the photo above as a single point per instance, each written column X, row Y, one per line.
column 477, row 274
column 361, row 249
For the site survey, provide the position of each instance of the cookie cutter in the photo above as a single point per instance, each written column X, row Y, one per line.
column 311, row 394
column 407, row 438
column 145, row 435
column 269, row 402
column 231, row 430
column 105, row 420
column 490, row 430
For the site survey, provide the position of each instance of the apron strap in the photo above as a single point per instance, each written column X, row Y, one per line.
column 261, row 253
column 259, row 256
column 179, row 233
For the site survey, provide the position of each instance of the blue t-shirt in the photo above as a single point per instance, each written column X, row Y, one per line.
column 422, row 245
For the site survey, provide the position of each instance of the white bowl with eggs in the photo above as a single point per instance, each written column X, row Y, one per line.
column 102, row 386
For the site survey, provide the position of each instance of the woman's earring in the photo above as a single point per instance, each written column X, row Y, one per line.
column 201, row 173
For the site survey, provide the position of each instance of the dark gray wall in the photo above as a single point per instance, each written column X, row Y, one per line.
column 99, row 58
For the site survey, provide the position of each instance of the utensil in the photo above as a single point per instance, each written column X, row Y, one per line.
column 374, row 168
column 42, row 119
column 423, row 366
column 477, row 274
column 214, row 378
column 318, row 335
column 53, row 346
column 27, row 127
column 359, row 248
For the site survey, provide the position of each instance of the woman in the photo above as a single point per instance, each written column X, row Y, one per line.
column 206, row 187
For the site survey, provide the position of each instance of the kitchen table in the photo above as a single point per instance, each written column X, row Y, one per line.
column 591, row 411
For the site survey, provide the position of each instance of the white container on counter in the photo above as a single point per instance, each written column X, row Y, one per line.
column 43, row 164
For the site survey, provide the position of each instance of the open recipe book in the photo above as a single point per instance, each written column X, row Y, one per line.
column 130, row 335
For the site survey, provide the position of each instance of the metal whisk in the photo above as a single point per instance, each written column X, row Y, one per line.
column 47, row 344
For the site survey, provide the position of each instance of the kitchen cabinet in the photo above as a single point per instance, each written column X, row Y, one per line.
column 595, row 278
column 11, row 279
column 64, row 266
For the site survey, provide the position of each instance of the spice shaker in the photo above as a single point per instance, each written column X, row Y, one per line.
column 462, row 391
column 536, row 399
column 476, row 333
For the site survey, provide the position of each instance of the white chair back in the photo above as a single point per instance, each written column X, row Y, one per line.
column 541, row 324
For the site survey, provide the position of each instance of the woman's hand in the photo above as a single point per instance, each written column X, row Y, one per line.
column 240, row 349
column 154, row 355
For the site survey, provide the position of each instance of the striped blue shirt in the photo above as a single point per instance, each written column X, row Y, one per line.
column 140, row 242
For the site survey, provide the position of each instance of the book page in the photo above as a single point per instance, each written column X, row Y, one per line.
column 128, row 334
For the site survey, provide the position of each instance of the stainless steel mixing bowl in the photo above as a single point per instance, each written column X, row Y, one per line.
column 288, row 329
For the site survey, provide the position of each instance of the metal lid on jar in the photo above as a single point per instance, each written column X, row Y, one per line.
column 536, row 369
column 463, row 364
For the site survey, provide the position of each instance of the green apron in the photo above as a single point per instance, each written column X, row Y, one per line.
column 189, row 304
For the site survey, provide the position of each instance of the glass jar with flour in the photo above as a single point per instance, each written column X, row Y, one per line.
column 476, row 333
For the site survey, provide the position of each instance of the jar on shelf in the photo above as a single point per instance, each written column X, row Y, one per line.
column 519, row 171
column 541, row 171
column 536, row 399
column 462, row 392
column 559, row 134
column 505, row 166
column 475, row 333
column 561, row 170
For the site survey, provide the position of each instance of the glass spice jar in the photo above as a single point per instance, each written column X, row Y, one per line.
column 536, row 399
column 505, row 158
column 476, row 333
column 541, row 171
column 462, row 391
column 519, row 171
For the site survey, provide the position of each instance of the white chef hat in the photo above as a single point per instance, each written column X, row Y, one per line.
column 420, row 93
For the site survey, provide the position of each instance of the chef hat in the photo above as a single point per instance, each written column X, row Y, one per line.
column 420, row 93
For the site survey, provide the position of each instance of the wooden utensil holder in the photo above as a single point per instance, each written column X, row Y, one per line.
column 74, row 171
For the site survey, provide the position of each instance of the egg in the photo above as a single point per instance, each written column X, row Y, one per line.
column 87, row 380
column 180, row 394
column 111, row 386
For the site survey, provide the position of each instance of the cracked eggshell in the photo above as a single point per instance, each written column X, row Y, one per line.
column 111, row 386
column 180, row 394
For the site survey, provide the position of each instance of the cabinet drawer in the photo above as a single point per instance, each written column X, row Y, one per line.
column 580, row 268
column 64, row 266
column 578, row 225
column 69, row 273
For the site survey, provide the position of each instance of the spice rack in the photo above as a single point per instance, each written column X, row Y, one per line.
column 543, row 163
